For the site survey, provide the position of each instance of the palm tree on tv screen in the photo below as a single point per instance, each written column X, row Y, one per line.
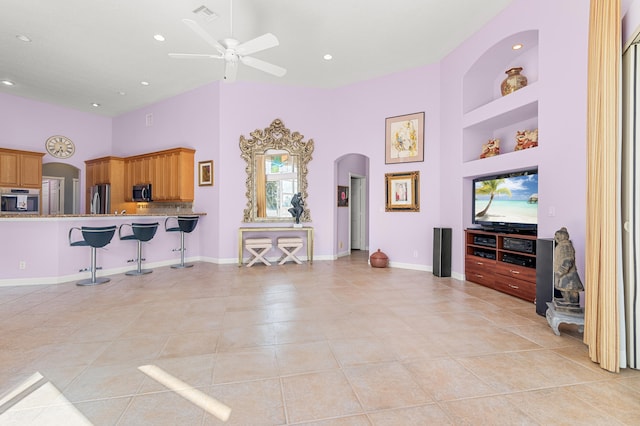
column 491, row 188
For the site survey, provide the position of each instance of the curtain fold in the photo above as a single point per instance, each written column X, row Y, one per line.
column 601, row 331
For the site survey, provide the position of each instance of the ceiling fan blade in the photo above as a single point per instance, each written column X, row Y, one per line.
column 204, row 35
column 265, row 41
column 194, row 56
column 263, row 66
column 230, row 71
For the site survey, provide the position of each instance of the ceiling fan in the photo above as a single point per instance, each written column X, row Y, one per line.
column 232, row 51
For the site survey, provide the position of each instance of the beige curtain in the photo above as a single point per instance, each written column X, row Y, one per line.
column 601, row 332
column 261, row 187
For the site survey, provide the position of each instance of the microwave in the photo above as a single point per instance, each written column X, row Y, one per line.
column 19, row 201
column 142, row 192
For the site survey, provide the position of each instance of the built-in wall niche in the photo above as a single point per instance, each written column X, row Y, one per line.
column 488, row 114
column 481, row 83
column 501, row 126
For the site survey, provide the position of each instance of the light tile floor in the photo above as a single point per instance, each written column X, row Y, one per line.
column 333, row 343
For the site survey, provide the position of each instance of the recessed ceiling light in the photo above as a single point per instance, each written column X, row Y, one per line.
column 23, row 37
column 95, row 104
column 517, row 46
column 8, row 82
column 121, row 93
column 328, row 57
column 159, row 37
column 144, row 83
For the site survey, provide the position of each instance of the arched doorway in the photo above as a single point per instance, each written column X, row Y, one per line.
column 352, row 219
column 60, row 189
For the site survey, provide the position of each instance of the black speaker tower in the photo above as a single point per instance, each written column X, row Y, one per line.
column 442, row 252
column 544, row 274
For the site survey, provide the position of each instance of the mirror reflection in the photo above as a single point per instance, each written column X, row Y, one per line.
column 276, row 170
column 276, row 182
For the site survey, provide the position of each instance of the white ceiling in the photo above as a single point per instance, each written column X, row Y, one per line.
column 85, row 51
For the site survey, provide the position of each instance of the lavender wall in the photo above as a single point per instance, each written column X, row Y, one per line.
column 351, row 120
column 26, row 125
column 359, row 126
column 561, row 93
column 190, row 120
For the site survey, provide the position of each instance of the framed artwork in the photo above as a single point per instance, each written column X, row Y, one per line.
column 205, row 173
column 343, row 196
column 403, row 191
column 404, row 140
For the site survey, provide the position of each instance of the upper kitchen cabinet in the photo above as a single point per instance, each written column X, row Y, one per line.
column 170, row 173
column 109, row 170
column 20, row 169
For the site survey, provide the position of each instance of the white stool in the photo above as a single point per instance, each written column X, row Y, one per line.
column 289, row 246
column 258, row 247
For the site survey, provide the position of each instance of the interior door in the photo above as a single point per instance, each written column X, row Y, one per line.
column 357, row 208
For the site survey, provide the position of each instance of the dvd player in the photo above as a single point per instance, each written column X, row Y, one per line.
column 484, row 241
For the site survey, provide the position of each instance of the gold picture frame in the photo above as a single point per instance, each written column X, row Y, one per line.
column 205, row 173
column 403, row 192
column 404, row 138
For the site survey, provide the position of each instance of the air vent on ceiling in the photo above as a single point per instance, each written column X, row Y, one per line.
column 205, row 12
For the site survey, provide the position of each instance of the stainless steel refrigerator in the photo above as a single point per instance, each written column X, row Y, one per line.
column 101, row 199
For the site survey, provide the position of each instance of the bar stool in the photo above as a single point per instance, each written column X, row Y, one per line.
column 289, row 247
column 141, row 232
column 258, row 247
column 185, row 225
column 94, row 237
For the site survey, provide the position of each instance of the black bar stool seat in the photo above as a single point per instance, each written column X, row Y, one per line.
column 184, row 225
column 94, row 237
column 141, row 232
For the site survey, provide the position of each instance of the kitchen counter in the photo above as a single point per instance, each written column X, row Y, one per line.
column 96, row 216
column 35, row 248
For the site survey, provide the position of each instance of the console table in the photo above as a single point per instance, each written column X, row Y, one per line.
column 276, row 230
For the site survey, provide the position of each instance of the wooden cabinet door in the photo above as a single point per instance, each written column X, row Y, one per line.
column 9, row 165
column 157, row 170
column 172, row 174
column 31, row 170
column 186, row 170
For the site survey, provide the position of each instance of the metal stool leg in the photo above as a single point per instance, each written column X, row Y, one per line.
column 182, row 265
column 93, row 280
column 139, row 271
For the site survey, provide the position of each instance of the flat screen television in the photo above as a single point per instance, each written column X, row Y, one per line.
column 507, row 202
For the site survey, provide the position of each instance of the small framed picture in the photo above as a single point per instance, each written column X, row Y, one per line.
column 343, row 196
column 403, row 191
column 205, row 173
column 404, row 138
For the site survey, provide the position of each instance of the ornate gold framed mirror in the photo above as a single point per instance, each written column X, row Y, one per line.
column 277, row 162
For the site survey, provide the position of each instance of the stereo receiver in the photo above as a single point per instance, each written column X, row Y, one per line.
column 518, row 244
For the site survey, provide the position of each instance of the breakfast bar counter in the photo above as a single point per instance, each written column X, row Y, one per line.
column 35, row 249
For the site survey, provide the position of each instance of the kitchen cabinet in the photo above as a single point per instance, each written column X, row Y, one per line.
column 109, row 170
column 20, row 169
column 170, row 172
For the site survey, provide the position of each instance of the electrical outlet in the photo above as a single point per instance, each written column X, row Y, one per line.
column 23, row 264
column 340, row 244
column 415, row 253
